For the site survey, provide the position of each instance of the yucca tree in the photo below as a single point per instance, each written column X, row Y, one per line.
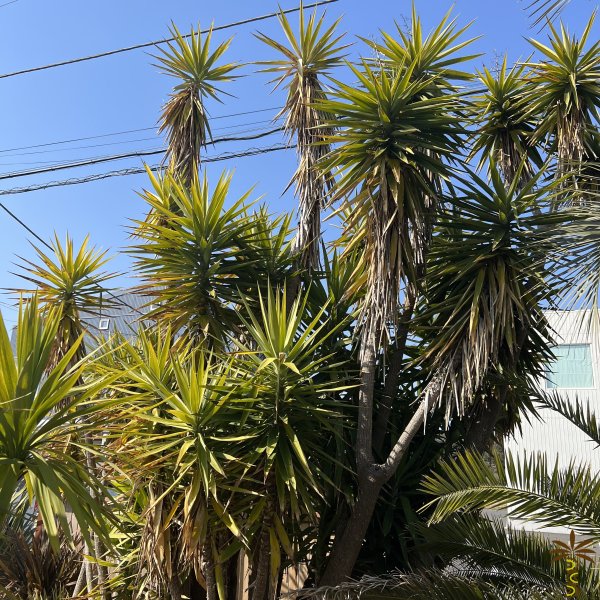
column 42, row 411
column 72, row 281
column 229, row 448
column 504, row 132
column 488, row 284
column 435, row 55
column 292, row 419
column 190, row 256
column 178, row 447
column 307, row 61
column 395, row 141
column 567, row 98
column 184, row 116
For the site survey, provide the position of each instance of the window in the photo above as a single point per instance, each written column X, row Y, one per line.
column 103, row 324
column 572, row 367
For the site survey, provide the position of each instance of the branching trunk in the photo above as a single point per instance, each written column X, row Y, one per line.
column 371, row 479
column 390, row 388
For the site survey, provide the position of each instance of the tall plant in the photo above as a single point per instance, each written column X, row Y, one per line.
column 307, row 60
column 184, row 116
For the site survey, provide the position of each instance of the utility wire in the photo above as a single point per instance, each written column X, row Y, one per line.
column 130, row 171
column 25, row 226
column 145, row 139
column 95, row 137
column 163, row 41
column 103, row 159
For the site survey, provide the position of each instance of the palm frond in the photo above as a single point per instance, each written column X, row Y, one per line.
column 491, row 550
column 433, row 584
column 528, row 487
column 579, row 412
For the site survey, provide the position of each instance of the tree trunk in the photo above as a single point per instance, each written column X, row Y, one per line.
column 175, row 591
column 481, row 433
column 80, row 582
column 209, row 574
column 260, row 586
column 347, row 546
column 390, row 389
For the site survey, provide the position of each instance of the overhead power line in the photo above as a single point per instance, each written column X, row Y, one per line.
column 130, row 171
column 104, row 135
column 239, row 127
column 114, row 157
column 163, row 41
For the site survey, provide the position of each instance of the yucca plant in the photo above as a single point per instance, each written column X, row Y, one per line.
column 567, row 98
column 504, row 132
column 489, row 284
column 434, row 54
column 178, row 447
column 73, row 281
column 394, row 144
column 291, row 419
column 42, row 410
column 31, row 568
column 308, row 59
column 191, row 257
column 184, row 116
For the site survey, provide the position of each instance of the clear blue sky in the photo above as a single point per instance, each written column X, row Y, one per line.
column 125, row 92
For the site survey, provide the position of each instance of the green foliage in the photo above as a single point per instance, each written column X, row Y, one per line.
column 488, row 284
column 252, row 415
column 504, row 128
column 43, row 413
column 184, row 116
column 197, row 255
column 73, row 281
column 567, row 94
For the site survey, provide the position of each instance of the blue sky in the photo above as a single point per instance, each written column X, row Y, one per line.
column 125, row 93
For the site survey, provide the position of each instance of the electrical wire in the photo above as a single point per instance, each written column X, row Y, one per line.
column 95, row 137
column 163, row 41
column 146, row 139
column 130, row 171
column 114, row 157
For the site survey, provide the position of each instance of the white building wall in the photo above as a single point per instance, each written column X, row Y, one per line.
column 552, row 433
